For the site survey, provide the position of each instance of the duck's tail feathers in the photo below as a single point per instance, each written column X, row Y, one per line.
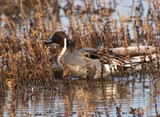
column 136, row 62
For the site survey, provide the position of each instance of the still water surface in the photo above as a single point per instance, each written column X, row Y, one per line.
column 117, row 96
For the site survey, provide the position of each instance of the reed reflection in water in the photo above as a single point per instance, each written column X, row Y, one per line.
column 132, row 96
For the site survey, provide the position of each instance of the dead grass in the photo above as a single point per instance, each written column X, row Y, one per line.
column 23, row 56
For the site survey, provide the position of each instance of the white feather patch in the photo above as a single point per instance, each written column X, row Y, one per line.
column 59, row 62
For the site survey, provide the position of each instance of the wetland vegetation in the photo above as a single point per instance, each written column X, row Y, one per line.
column 29, row 82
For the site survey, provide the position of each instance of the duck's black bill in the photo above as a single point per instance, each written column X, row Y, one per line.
column 48, row 41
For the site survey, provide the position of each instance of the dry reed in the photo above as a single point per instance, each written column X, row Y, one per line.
column 23, row 56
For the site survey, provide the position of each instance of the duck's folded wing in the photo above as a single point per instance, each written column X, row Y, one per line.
column 90, row 53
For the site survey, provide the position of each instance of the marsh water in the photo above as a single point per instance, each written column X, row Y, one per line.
column 130, row 95
column 134, row 95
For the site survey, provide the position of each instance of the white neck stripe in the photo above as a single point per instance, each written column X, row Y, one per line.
column 62, row 53
column 64, row 47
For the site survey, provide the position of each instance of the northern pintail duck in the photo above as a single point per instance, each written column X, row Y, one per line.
column 84, row 59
